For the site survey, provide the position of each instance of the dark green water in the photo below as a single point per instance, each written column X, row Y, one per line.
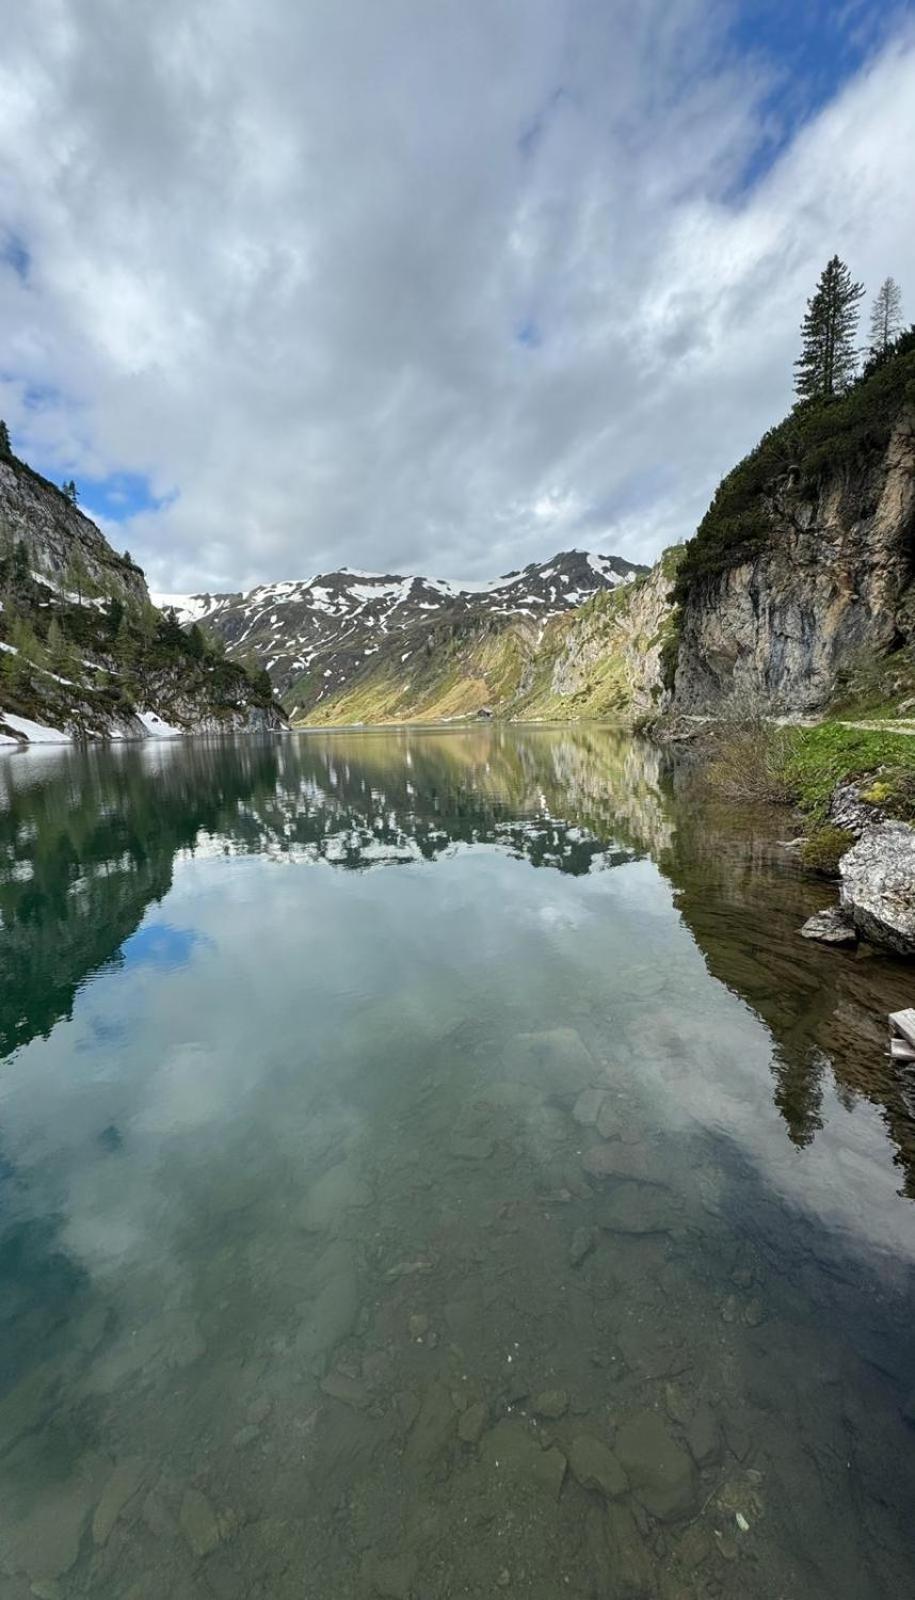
column 431, row 1165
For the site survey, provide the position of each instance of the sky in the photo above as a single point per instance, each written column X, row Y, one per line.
column 427, row 287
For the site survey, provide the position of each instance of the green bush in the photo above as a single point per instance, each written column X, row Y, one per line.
column 823, row 849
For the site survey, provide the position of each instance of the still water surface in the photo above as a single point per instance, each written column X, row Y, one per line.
column 431, row 1165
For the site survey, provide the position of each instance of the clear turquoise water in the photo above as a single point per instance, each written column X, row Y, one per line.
column 431, row 1164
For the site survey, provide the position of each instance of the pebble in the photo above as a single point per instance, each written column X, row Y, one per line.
column 552, row 1404
column 472, row 1423
column 582, row 1244
column 340, row 1386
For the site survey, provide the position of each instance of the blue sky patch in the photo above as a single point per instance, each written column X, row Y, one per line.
column 813, row 49
column 119, row 496
column 528, row 333
column 162, row 945
column 14, row 253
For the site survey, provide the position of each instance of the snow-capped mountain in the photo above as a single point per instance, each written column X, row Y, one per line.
column 325, row 628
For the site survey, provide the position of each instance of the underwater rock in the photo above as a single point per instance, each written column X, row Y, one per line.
column 391, row 1577
column 551, row 1404
column 337, row 1191
column 662, row 1474
column 512, row 1451
column 339, row 1386
column 472, row 1423
column 631, row 1566
column 123, row 1484
column 703, row 1436
column 582, row 1244
column 638, row 1208
column 615, row 1160
column 431, row 1432
column 596, row 1467
column 198, row 1523
column 46, row 1542
column 587, row 1107
column 556, row 1062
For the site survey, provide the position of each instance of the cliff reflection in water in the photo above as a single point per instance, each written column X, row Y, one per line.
column 88, row 841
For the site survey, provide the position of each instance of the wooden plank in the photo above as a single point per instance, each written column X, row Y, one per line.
column 903, row 1023
column 901, row 1051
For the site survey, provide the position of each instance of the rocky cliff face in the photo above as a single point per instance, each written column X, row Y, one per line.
column 833, row 583
column 63, row 545
column 611, row 656
column 83, row 652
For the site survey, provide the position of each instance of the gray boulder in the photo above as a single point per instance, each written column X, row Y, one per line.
column 878, row 885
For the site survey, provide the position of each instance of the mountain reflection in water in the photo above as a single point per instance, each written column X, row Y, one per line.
column 436, row 1225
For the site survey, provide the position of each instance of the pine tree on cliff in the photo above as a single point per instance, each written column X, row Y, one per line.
column 6, row 448
column 886, row 317
column 829, row 355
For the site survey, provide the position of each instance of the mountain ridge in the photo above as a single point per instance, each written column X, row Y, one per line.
column 315, row 635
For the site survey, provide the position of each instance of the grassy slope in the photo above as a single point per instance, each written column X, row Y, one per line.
column 819, row 758
column 464, row 672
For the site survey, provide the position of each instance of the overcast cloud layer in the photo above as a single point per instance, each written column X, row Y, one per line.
column 421, row 286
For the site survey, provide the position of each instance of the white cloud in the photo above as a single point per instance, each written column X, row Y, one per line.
column 282, row 259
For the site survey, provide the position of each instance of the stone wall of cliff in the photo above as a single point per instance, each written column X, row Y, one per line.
column 611, row 656
column 83, row 652
column 831, row 583
column 63, row 545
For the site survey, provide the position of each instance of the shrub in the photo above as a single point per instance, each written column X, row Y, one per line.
column 749, row 762
column 822, row 850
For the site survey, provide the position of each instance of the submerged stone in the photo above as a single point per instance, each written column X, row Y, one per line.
column 587, row 1107
column 331, row 1196
column 551, row 1404
column 596, row 1467
column 703, row 1436
column 662, row 1474
column 582, row 1244
column 631, row 1566
column 198, row 1523
column 511, row 1450
column 472, row 1423
column 431, row 1432
column 555, row 1061
column 340, row 1386
column 615, row 1160
column 45, row 1543
column 123, row 1484
column 638, row 1208
column 391, row 1577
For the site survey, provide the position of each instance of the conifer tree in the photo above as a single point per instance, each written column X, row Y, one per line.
column 886, row 317
column 828, row 356
column 6, row 448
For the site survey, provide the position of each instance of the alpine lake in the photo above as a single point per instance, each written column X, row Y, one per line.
column 432, row 1165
